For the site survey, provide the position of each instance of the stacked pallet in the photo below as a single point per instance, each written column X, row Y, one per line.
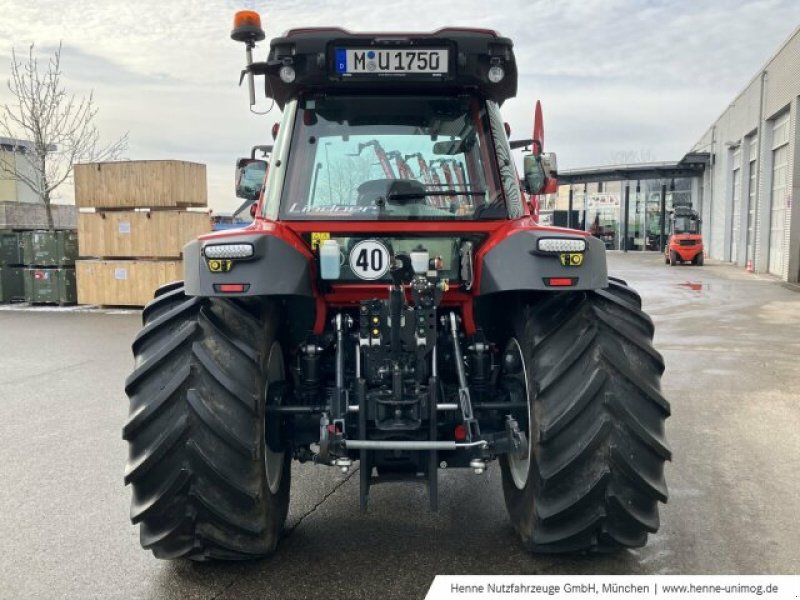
column 38, row 266
column 49, row 275
column 135, row 217
column 12, row 283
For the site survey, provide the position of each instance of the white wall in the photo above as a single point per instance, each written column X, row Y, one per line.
column 748, row 119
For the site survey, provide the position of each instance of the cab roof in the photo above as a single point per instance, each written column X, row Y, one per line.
column 390, row 34
column 321, row 57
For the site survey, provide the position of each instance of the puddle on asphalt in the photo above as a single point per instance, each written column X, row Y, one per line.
column 694, row 286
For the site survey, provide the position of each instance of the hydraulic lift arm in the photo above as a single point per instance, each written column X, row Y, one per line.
column 383, row 158
column 403, row 170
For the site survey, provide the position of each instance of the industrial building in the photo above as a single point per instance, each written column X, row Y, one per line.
column 742, row 176
column 754, row 173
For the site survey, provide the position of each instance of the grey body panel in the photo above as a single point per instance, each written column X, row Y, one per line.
column 515, row 264
column 276, row 268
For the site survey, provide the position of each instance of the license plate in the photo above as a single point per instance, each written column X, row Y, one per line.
column 376, row 61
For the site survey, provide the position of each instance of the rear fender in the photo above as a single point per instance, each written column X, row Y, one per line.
column 277, row 267
column 516, row 264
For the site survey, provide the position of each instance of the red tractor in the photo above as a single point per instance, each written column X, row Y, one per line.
column 685, row 241
column 394, row 323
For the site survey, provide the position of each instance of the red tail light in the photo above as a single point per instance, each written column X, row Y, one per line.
column 560, row 281
column 231, row 288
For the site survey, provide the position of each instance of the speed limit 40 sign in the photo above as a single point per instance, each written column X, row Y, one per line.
column 369, row 259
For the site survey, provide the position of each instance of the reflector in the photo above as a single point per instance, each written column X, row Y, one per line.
column 231, row 288
column 560, row 281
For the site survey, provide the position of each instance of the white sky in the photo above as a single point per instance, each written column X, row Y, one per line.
column 634, row 77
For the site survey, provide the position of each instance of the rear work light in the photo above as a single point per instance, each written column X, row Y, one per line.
column 228, row 250
column 287, row 74
column 561, row 245
column 496, row 74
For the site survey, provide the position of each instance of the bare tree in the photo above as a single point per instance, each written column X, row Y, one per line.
column 53, row 128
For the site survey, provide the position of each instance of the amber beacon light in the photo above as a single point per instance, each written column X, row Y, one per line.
column 247, row 27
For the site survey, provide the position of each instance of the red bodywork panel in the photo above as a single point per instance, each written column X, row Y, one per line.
column 685, row 251
column 349, row 294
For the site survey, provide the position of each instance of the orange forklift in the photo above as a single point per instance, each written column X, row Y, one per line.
column 685, row 241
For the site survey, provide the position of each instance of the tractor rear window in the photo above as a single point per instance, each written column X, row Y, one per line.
column 384, row 158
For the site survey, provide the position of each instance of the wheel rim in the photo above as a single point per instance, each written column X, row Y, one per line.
column 273, row 461
column 518, row 467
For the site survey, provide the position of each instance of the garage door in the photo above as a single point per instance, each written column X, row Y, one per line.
column 780, row 189
column 737, row 204
column 751, row 205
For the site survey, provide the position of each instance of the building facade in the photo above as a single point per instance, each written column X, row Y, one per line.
column 598, row 207
column 748, row 190
column 14, row 158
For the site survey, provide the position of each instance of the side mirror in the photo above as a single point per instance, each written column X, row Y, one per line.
column 550, row 164
column 250, row 176
column 540, row 173
column 449, row 148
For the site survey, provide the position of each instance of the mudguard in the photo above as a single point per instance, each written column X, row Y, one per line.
column 516, row 264
column 276, row 268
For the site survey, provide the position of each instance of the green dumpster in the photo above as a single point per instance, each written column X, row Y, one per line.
column 50, row 286
column 12, row 286
column 50, row 248
column 10, row 248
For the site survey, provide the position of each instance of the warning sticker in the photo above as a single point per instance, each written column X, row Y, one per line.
column 124, row 227
column 571, row 259
column 219, row 265
column 317, row 237
column 121, row 274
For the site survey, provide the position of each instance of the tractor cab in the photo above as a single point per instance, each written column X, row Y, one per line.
column 685, row 241
column 361, row 110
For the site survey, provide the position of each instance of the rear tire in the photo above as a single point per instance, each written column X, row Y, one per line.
column 673, row 258
column 700, row 260
column 596, row 472
column 204, row 484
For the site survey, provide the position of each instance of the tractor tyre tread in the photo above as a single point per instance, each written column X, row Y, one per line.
column 599, row 449
column 196, row 431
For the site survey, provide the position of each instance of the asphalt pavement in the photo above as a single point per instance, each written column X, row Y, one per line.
column 731, row 342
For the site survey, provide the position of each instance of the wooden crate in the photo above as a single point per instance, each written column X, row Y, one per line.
column 141, row 184
column 123, row 282
column 156, row 234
